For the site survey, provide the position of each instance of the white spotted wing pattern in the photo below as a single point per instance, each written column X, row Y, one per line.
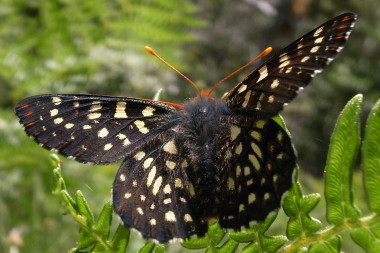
column 186, row 164
column 276, row 82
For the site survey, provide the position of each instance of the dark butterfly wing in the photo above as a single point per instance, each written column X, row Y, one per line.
column 277, row 81
column 153, row 194
column 92, row 129
column 260, row 171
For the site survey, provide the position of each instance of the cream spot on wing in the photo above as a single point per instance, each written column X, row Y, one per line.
column 170, row 216
column 284, row 57
column 251, row 198
column 274, row 84
column 318, row 31
column 103, row 132
column 260, row 124
column 69, row 125
column 95, row 106
column 254, row 162
column 284, row 64
column 263, row 73
column 147, row 162
column 242, row 88
column 157, row 185
column 152, row 222
column 191, row 189
column 256, row 150
column 56, row 100
column 141, row 126
column 94, row 115
column 167, row 189
column 151, row 175
column 247, row 97
column 148, row 111
column 231, row 184
column 314, row 49
column 239, row 149
column 120, row 110
column 53, row 112
column 170, row 164
column 256, row 135
column 139, row 155
column 178, row 183
column 319, row 40
column 187, row 218
column 139, row 210
column 108, row 146
column 58, row 121
column 305, row 59
column 235, row 131
column 170, row 147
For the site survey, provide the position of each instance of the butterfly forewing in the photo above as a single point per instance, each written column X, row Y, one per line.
column 96, row 129
column 277, row 81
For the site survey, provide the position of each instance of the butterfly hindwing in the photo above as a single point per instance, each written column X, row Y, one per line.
column 88, row 128
column 153, row 194
column 277, row 81
column 260, row 171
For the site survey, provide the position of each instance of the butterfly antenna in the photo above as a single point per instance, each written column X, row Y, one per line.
column 152, row 52
column 263, row 53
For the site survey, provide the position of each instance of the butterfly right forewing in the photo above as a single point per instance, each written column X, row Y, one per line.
column 277, row 81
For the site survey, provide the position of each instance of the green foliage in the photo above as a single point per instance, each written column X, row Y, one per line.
column 304, row 233
column 75, row 46
column 94, row 236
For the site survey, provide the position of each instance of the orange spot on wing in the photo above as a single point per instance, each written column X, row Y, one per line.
column 346, row 18
column 30, row 123
column 28, row 113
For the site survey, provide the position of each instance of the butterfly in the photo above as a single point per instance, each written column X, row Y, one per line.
column 184, row 165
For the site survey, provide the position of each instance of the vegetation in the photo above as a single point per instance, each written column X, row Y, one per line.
column 98, row 47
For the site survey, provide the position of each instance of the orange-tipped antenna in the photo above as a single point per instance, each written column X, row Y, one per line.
column 151, row 51
column 263, row 53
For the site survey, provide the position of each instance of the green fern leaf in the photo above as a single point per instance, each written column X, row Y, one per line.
column 342, row 154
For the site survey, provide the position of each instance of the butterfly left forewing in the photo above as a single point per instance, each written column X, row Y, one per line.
column 277, row 81
column 89, row 128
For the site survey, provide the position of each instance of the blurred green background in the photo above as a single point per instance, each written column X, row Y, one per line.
column 68, row 46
